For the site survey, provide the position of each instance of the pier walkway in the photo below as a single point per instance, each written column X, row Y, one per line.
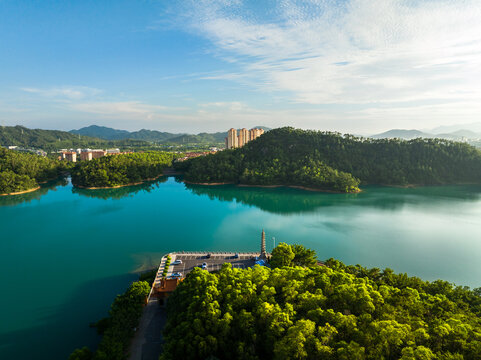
column 147, row 343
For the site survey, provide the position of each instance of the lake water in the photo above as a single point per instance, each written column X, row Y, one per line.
column 65, row 253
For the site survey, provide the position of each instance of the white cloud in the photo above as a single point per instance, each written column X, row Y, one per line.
column 64, row 92
column 120, row 109
column 230, row 105
column 353, row 52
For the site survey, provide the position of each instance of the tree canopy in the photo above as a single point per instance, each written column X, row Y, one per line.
column 20, row 171
column 320, row 312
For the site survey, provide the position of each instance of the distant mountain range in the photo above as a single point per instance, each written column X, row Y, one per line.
column 474, row 127
column 100, row 136
column 56, row 139
column 458, row 135
column 107, row 133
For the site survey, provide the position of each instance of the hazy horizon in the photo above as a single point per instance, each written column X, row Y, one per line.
column 474, row 127
column 353, row 66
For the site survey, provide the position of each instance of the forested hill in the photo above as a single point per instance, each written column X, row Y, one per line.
column 155, row 136
column 298, row 310
column 311, row 158
column 56, row 139
column 107, row 133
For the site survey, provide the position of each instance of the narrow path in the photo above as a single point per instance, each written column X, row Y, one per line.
column 147, row 343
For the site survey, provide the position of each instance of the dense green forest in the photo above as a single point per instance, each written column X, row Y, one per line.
column 116, row 170
column 51, row 140
column 23, row 171
column 329, row 160
column 300, row 310
column 232, row 166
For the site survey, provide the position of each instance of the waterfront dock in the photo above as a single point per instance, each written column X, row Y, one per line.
column 147, row 342
column 148, row 339
column 163, row 286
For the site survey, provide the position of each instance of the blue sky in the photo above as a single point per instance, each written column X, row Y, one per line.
column 358, row 66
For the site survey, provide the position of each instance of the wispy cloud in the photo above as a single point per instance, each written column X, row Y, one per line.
column 120, row 109
column 64, row 92
column 354, row 52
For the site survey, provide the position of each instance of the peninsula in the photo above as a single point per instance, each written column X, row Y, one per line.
column 288, row 305
column 335, row 162
column 23, row 172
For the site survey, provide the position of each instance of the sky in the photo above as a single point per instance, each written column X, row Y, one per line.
column 354, row 66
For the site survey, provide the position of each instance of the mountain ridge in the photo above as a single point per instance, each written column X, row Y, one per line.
column 405, row 134
column 56, row 139
column 107, row 133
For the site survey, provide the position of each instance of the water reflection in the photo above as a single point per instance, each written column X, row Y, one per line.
column 285, row 200
column 121, row 192
column 13, row 200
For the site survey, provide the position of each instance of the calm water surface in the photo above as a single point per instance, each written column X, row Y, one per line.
column 65, row 253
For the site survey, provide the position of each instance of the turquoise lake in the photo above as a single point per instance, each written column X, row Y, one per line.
column 65, row 253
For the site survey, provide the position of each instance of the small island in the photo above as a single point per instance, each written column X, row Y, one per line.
column 333, row 162
column 120, row 170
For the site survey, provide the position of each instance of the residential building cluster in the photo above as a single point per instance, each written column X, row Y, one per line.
column 88, row 154
column 234, row 140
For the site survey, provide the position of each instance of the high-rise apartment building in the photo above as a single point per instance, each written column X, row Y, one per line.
column 231, row 141
column 255, row 133
column 234, row 141
column 243, row 137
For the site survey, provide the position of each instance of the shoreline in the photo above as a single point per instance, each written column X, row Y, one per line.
column 276, row 186
column 209, row 184
column 21, row 192
column 116, row 186
column 31, row 190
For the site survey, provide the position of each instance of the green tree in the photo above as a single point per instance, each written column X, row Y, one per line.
column 303, row 256
column 282, row 255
